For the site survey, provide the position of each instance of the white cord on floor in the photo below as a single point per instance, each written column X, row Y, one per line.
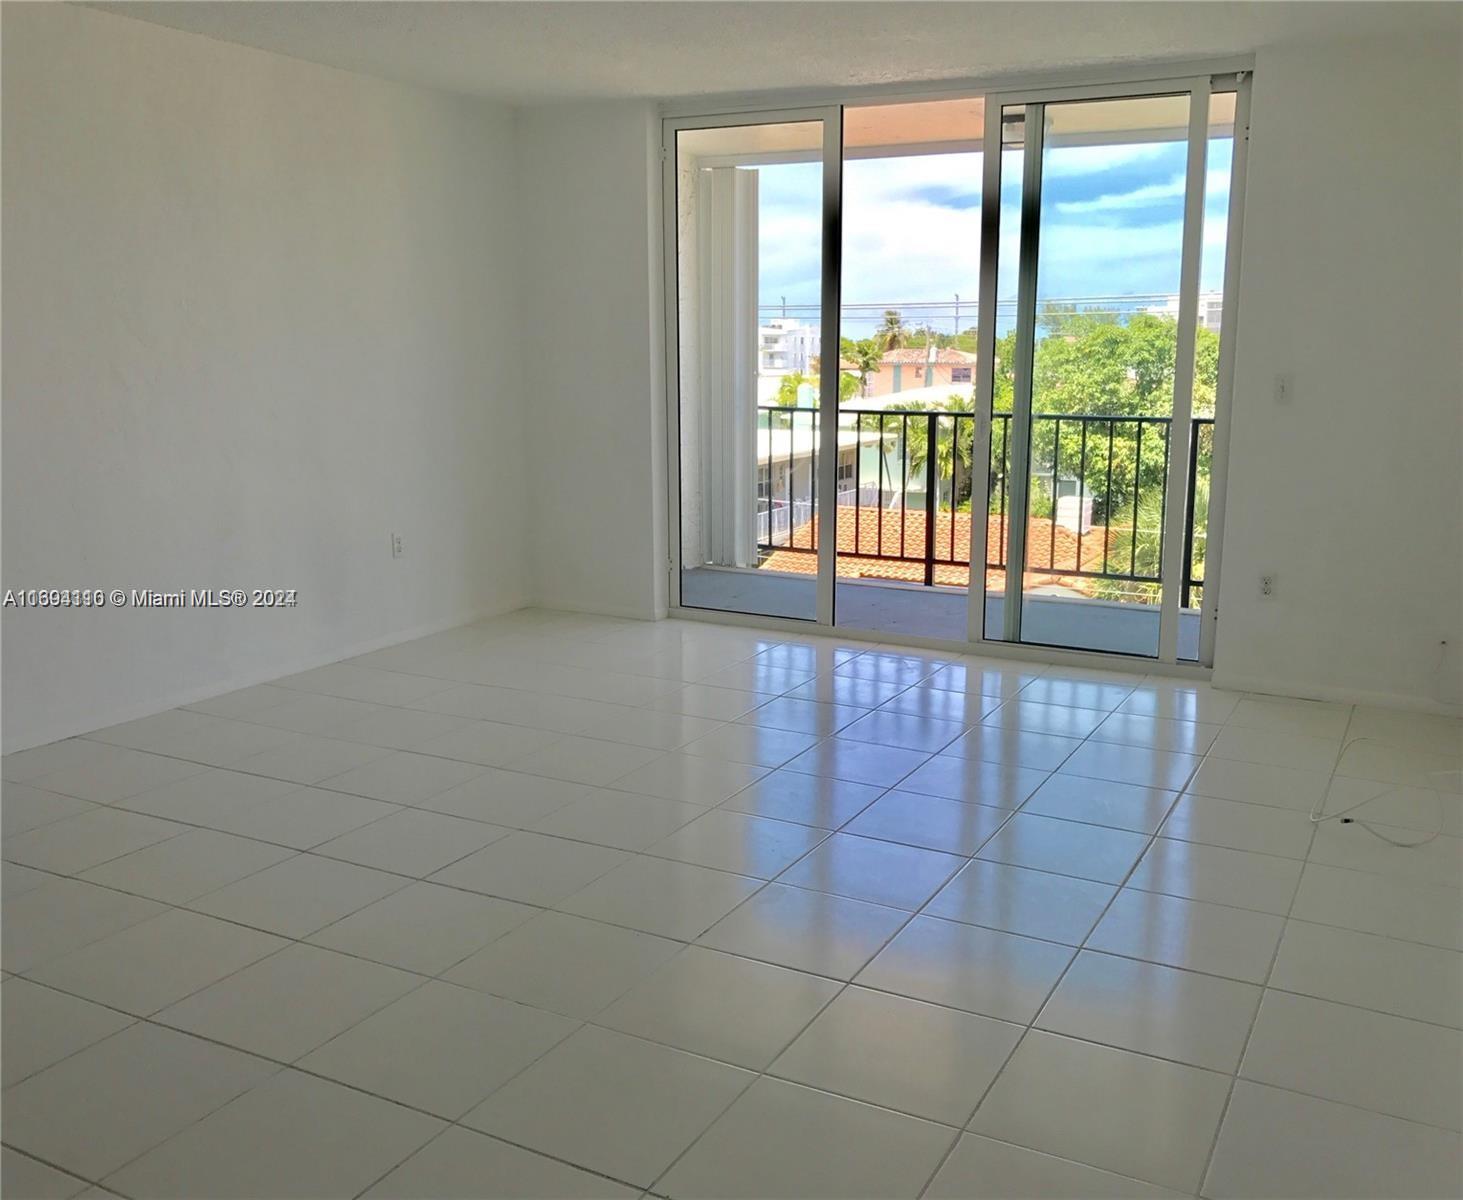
column 1318, row 817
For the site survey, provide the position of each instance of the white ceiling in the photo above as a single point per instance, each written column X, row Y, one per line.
column 573, row 50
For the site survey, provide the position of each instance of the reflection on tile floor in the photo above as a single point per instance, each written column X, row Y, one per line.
column 558, row 905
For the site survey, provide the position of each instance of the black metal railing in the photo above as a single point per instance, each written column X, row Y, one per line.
column 1101, row 479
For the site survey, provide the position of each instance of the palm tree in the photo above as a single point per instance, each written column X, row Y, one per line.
column 1140, row 544
column 865, row 355
column 948, row 448
column 891, row 334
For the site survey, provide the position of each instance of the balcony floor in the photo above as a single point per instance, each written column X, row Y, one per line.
column 936, row 612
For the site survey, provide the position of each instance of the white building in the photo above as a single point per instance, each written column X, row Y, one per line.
column 785, row 345
column 1211, row 309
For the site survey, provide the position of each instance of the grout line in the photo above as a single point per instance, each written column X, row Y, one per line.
column 45, row 1162
column 295, row 852
column 1036, row 1014
column 844, row 984
column 826, row 833
column 1265, row 983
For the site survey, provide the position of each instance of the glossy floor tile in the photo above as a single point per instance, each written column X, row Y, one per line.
column 1281, row 1143
column 114, row 1100
column 441, row 1048
column 1232, row 942
column 922, row 1059
column 780, row 1139
column 463, row 1162
column 558, row 905
column 323, row 1140
column 1127, row 1113
column 285, row 1005
column 564, row 964
column 980, row 1168
column 1182, row 1015
column 662, row 896
column 42, row 1026
column 981, row 970
column 1196, row 871
column 721, row 1006
column 1056, row 908
column 881, row 872
column 1392, row 1065
column 931, row 822
column 807, row 930
column 612, row 1103
column 158, row 961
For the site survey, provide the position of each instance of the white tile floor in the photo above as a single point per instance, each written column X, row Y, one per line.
column 567, row 906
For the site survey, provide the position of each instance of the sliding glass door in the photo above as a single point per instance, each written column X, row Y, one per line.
column 956, row 368
column 751, row 290
column 906, row 406
column 1103, row 388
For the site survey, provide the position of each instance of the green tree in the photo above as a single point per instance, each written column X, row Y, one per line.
column 954, row 444
column 787, row 389
column 919, row 338
column 1090, row 364
column 865, row 355
column 891, row 334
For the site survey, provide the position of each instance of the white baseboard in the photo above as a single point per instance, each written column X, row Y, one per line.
column 115, row 715
column 625, row 613
column 1333, row 694
column 129, row 712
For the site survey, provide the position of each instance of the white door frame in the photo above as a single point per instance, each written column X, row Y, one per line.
column 1224, row 383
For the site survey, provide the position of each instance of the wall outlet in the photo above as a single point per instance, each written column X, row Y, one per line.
column 396, row 550
column 1284, row 388
column 1267, row 587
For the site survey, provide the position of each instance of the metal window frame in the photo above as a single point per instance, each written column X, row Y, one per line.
column 1224, row 384
column 1198, row 88
column 998, row 91
column 1018, row 488
column 831, row 117
column 1171, row 566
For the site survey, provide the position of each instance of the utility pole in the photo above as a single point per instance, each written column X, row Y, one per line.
column 957, row 314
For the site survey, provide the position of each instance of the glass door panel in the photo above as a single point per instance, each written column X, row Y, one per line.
column 1105, row 236
column 910, row 270
column 749, row 293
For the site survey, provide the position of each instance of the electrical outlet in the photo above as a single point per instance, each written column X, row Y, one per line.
column 1267, row 587
column 396, row 550
column 1284, row 389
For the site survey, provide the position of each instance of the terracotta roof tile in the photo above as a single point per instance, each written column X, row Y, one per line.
column 1054, row 549
column 945, row 356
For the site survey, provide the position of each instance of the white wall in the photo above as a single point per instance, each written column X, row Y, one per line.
column 589, row 216
column 1351, row 495
column 1352, row 283
column 259, row 314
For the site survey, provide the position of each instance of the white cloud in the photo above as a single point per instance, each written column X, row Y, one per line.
column 1141, row 197
column 1093, row 160
column 903, row 241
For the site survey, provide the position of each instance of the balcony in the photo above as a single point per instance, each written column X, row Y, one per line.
column 1094, row 534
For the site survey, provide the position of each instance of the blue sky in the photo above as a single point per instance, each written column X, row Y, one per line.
column 1112, row 224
